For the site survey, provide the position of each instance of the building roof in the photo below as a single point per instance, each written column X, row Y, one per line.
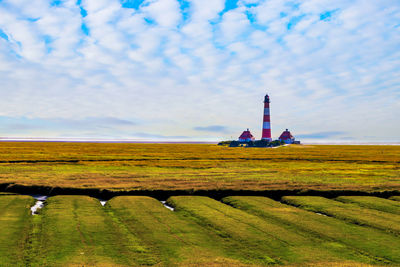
column 286, row 135
column 246, row 135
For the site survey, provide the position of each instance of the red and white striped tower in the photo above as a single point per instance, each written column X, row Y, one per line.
column 266, row 132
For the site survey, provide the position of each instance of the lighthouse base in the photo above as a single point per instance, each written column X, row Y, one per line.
column 256, row 143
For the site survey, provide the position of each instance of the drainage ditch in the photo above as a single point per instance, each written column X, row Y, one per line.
column 104, row 194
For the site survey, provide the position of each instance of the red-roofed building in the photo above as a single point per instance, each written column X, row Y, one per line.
column 246, row 136
column 287, row 137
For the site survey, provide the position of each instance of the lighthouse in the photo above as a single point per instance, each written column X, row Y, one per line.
column 266, row 131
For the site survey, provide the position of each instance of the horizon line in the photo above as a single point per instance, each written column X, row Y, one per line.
column 155, row 141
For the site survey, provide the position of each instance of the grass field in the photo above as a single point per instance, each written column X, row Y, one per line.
column 347, row 211
column 188, row 166
column 174, row 239
column 366, row 243
column 140, row 231
column 396, row 198
column 242, row 231
column 15, row 223
column 76, row 230
column 265, row 241
column 376, row 203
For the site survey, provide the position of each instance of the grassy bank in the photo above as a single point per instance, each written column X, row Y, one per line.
column 396, row 198
column 174, row 239
column 265, row 241
column 348, row 211
column 77, row 231
column 140, row 231
column 15, row 228
column 367, row 244
column 376, row 203
column 121, row 167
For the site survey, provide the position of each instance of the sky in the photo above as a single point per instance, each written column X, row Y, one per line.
column 198, row 70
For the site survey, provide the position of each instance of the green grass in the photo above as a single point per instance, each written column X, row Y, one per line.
column 368, row 244
column 138, row 231
column 347, row 211
column 376, row 203
column 265, row 241
column 76, row 230
column 395, row 198
column 174, row 239
column 193, row 166
column 14, row 228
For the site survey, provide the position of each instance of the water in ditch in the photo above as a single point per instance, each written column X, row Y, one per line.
column 40, row 199
column 167, row 206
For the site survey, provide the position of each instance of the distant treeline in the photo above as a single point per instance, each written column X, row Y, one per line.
column 257, row 143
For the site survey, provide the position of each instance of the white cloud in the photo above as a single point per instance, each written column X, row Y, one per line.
column 234, row 23
column 270, row 10
column 211, row 69
column 208, row 11
column 165, row 12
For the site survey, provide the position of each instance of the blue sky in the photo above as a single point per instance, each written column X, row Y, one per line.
column 198, row 70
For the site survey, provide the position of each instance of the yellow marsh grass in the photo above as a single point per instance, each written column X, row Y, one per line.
column 199, row 166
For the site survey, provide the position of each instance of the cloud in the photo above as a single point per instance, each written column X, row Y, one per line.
column 150, row 136
column 170, row 66
column 322, row 135
column 97, row 121
column 211, row 128
column 166, row 13
column 234, row 24
column 24, row 126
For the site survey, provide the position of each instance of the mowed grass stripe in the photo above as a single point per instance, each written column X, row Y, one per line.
column 265, row 238
column 347, row 211
column 376, row 203
column 370, row 245
column 15, row 223
column 175, row 239
column 76, row 230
